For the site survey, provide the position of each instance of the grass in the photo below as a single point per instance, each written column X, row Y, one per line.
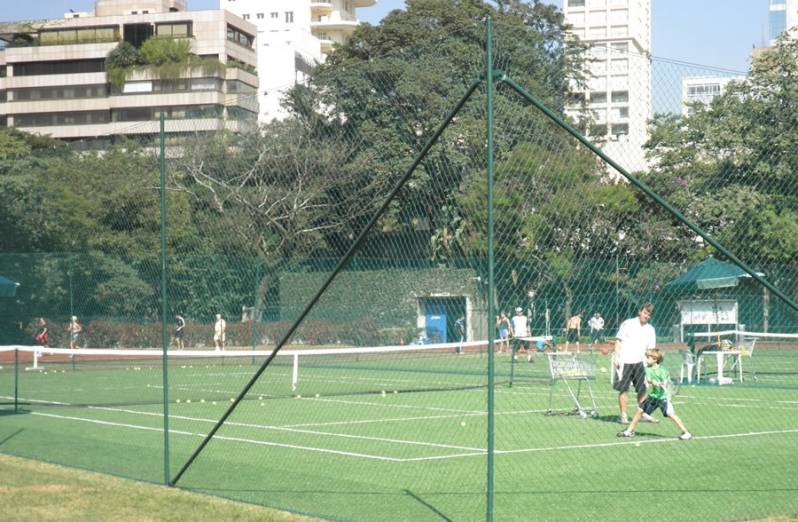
column 345, row 450
column 36, row 491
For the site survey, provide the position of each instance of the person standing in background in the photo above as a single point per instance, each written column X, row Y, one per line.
column 74, row 328
column 219, row 333
column 42, row 336
column 180, row 325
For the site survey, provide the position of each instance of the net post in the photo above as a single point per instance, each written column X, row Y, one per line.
column 295, row 373
column 16, row 379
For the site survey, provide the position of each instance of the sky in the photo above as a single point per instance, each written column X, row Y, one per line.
column 718, row 33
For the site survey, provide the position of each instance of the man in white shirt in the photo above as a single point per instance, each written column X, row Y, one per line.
column 520, row 333
column 635, row 336
column 596, row 324
column 219, row 333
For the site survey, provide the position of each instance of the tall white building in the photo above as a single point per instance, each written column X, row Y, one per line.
column 782, row 16
column 618, row 93
column 703, row 89
column 293, row 36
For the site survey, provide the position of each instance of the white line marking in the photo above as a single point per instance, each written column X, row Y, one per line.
column 222, row 437
column 292, row 430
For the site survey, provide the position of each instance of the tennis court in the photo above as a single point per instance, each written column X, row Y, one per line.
column 402, row 435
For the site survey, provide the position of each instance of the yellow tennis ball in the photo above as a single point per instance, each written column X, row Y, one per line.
column 462, row 423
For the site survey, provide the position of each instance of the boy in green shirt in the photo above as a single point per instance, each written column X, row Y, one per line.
column 657, row 378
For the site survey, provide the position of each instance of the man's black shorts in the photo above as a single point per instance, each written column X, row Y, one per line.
column 573, row 335
column 632, row 374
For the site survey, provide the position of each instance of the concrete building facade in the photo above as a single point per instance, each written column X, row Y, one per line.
column 293, row 36
column 618, row 93
column 53, row 78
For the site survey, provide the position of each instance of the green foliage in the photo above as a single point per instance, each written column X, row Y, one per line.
column 168, row 58
column 160, row 51
column 733, row 165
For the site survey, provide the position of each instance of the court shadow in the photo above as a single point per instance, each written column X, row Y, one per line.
column 427, row 505
column 6, row 439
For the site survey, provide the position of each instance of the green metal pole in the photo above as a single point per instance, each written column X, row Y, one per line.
column 16, row 380
column 491, row 282
column 649, row 191
column 164, row 302
column 255, row 313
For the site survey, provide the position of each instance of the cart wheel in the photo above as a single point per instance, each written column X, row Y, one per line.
column 594, row 415
column 583, row 414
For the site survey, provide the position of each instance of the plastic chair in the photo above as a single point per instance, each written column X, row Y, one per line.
column 688, row 365
column 746, row 347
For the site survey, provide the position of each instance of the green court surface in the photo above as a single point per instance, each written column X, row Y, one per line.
column 404, row 438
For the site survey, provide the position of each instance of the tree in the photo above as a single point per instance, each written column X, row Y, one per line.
column 732, row 165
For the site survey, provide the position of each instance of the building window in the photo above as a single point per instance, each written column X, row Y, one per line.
column 260, row 16
column 620, row 96
column 289, row 17
column 620, row 48
column 598, row 97
column 245, row 16
column 50, row 119
column 274, row 14
column 576, row 3
column 64, row 67
column 236, row 35
column 60, row 93
column 620, row 129
column 174, row 30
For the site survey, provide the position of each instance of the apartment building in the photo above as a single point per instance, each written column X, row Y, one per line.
column 53, row 77
column 782, row 16
column 703, row 89
column 293, row 36
column 618, row 92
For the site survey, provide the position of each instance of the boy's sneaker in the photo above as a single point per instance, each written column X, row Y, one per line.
column 626, row 433
column 685, row 436
column 623, row 419
column 528, row 358
column 648, row 418
column 515, row 357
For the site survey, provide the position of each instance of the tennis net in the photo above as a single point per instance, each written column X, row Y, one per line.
column 57, row 377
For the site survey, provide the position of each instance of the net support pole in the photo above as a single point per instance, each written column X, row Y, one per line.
column 16, row 380
column 295, row 373
column 491, row 282
column 164, row 303
column 648, row 191
column 338, row 268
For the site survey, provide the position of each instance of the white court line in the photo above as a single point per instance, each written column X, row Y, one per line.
column 479, row 452
column 222, row 437
column 291, row 430
column 405, row 419
column 609, row 444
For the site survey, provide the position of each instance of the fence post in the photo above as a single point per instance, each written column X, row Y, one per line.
column 164, row 331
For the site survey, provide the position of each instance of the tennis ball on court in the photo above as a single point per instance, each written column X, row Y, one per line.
column 603, row 370
column 396, row 391
column 188, row 401
column 202, row 401
column 382, row 393
column 214, row 403
column 260, row 397
column 637, row 444
column 317, row 395
column 262, row 404
column 232, row 399
column 298, row 396
column 462, row 423
column 178, row 401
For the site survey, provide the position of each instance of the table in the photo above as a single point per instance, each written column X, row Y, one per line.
column 721, row 358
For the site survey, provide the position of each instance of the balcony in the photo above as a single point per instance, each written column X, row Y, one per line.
column 362, row 3
column 320, row 7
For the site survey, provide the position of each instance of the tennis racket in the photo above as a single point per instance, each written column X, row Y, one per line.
column 672, row 389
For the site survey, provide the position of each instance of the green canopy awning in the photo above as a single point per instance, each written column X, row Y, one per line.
column 8, row 288
column 708, row 275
